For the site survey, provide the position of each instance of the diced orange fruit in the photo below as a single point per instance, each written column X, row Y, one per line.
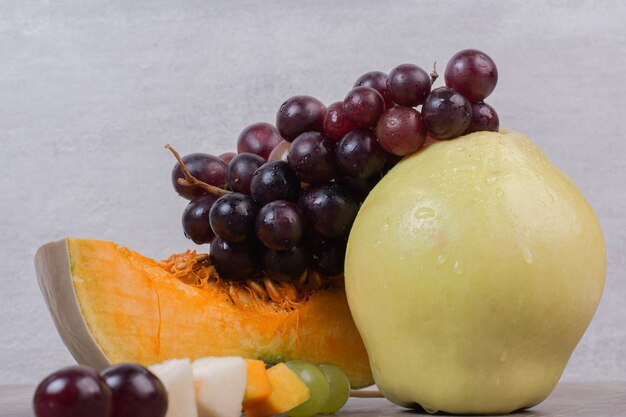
column 288, row 391
column 257, row 384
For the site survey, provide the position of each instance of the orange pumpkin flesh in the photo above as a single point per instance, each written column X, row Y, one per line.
column 140, row 310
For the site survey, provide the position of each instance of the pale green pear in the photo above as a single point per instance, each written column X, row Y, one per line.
column 472, row 271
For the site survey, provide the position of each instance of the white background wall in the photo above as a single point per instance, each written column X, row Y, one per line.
column 91, row 91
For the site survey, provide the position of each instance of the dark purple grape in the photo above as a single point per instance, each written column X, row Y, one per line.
column 280, row 152
column 300, row 114
column 232, row 217
column 364, row 105
column 227, row 157
column 359, row 154
column 401, row 130
column 378, row 81
column 235, row 261
column 329, row 209
column 284, row 265
column 392, row 160
column 240, row 170
column 195, row 219
column 484, row 118
column 447, row 114
column 75, row 391
column 312, row 157
column 274, row 181
column 408, row 85
column 259, row 139
column 280, row 225
column 204, row 167
column 359, row 188
column 472, row 73
column 328, row 255
column 336, row 123
column 137, row 392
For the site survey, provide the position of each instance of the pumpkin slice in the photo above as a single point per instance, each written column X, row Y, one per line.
column 113, row 305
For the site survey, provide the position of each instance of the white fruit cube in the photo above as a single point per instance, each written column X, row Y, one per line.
column 177, row 376
column 220, row 384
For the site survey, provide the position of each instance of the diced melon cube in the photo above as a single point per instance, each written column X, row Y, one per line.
column 220, row 383
column 288, row 391
column 257, row 384
column 177, row 377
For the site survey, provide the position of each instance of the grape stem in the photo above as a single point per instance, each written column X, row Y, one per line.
column 358, row 393
column 190, row 180
column 433, row 74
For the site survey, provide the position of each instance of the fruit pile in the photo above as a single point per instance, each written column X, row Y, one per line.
column 284, row 205
column 285, row 202
column 208, row 387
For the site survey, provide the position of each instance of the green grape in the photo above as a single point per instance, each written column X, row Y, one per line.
column 339, row 388
column 313, row 377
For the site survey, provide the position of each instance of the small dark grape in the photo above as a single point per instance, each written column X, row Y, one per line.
column 472, row 73
column 280, row 152
column 75, row 391
column 300, row 114
column 204, row 167
column 484, row 117
column 232, row 217
column 259, row 139
column 336, row 122
column 329, row 209
column 285, row 265
column 392, row 160
column 274, row 181
column 328, row 255
column 447, row 114
column 227, row 157
column 378, row 81
column 280, row 225
column 401, row 130
column 195, row 219
column 363, row 105
column 359, row 188
column 408, row 85
column 312, row 157
column 360, row 155
column 240, row 170
column 235, row 261
column 137, row 392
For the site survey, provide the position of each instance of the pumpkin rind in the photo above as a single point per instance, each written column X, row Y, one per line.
column 52, row 264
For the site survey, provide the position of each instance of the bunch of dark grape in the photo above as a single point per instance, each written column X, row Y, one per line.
column 285, row 202
column 123, row 390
